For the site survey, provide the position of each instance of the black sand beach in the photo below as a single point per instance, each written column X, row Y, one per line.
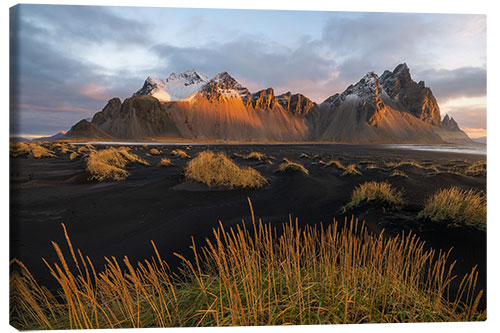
column 156, row 203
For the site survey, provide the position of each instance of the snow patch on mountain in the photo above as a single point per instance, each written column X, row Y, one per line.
column 183, row 85
column 155, row 87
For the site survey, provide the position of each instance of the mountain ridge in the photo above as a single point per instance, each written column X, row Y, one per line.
column 390, row 108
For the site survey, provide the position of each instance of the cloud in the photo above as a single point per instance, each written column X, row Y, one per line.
column 252, row 61
column 461, row 82
column 94, row 24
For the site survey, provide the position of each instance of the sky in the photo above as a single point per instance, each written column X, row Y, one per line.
column 66, row 62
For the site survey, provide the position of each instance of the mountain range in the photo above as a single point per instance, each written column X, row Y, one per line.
column 390, row 108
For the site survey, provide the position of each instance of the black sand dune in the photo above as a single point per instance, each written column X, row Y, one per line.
column 155, row 203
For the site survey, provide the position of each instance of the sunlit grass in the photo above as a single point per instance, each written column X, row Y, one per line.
column 179, row 153
column 399, row 173
column 30, row 148
column 287, row 166
column 334, row 163
column 413, row 164
column 166, row 162
column 313, row 275
column 217, row 169
column 351, row 170
column 382, row 193
column 154, row 151
column 109, row 164
column 477, row 169
column 456, row 206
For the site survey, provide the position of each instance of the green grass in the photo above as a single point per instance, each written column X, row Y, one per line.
column 217, row 169
column 382, row 193
column 312, row 275
column 457, row 207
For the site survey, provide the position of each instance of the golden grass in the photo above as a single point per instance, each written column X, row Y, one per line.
column 73, row 155
column 351, row 170
column 217, row 169
column 334, row 163
column 154, row 151
column 382, row 193
column 109, row 164
column 413, row 164
column 372, row 166
column 399, row 173
column 30, row 148
column 476, row 169
column 166, row 162
column 313, row 275
column 179, row 153
column 287, row 166
column 255, row 155
column 456, row 206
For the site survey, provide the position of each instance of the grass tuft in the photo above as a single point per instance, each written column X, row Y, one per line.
column 382, row 193
column 73, row 155
column 303, row 275
column 255, row 155
column 413, row 164
column 30, row 148
column 398, row 173
column 334, row 163
column 351, row 170
column 179, row 153
column 166, row 162
column 456, row 205
column 289, row 166
column 154, row 151
column 477, row 169
column 217, row 169
column 109, row 164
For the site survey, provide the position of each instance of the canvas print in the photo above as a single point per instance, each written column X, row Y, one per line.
column 213, row 167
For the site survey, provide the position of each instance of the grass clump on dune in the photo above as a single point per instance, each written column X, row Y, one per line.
column 477, row 169
column 179, row 153
column 30, row 148
column 413, row 164
column 109, row 164
column 217, row 169
column 382, row 193
column 154, row 151
column 73, row 155
column 255, row 155
column 305, row 275
column 287, row 166
column 334, row 163
column 399, row 173
column 351, row 170
column 456, row 206
column 166, row 162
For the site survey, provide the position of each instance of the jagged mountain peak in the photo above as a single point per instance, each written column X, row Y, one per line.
column 224, row 85
column 191, row 76
column 449, row 123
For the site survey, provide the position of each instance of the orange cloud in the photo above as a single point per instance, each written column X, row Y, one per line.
column 474, row 132
column 95, row 91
